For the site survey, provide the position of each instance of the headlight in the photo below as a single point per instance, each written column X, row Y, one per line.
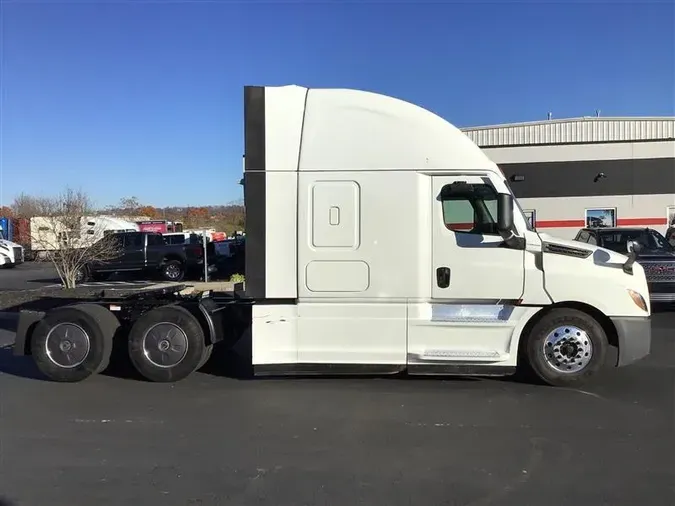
column 638, row 299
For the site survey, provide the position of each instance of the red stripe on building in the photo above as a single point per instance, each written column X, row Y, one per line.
column 622, row 222
column 634, row 222
column 560, row 223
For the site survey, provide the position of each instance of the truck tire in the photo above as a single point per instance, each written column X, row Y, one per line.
column 208, row 351
column 172, row 270
column 565, row 348
column 166, row 344
column 70, row 344
column 82, row 275
column 108, row 323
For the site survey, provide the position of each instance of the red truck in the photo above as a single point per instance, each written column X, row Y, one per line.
column 160, row 226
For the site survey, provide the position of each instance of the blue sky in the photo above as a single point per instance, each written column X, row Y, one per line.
column 145, row 98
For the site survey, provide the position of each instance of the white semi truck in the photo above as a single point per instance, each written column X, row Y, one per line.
column 48, row 234
column 333, row 178
column 11, row 254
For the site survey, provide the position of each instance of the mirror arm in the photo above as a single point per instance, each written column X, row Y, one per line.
column 514, row 242
column 628, row 266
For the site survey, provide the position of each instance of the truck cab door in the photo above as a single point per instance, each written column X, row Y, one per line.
column 476, row 279
column 133, row 257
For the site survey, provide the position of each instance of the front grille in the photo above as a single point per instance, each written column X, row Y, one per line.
column 661, row 287
column 18, row 254
column 659, row 272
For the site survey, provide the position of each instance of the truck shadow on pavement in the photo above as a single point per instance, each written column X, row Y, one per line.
column 22, row 367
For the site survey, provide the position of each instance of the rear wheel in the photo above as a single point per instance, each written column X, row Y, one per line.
column 109, row 325
column 81, row 275
column 173, row 270
column 71, row 343
column 208, row 351
column 566, row 348
column 166, row 344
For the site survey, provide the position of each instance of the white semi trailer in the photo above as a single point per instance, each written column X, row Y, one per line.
column 333, row 178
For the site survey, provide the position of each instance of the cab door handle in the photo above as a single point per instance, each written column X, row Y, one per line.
column 443, row 277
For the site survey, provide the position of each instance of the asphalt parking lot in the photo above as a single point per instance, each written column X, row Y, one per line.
column 213, row 440
column 33, row 275
column 28, row 276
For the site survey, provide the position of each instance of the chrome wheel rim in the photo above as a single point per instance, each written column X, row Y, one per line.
column 568, row 349
column 67, row 345
column 172, row 271
column 165, row 345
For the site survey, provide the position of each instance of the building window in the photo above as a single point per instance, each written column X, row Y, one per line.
column 531, row 217
column 601, row 218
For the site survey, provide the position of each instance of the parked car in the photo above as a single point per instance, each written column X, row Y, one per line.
column 670, row 235
column 149, row 252
column 657, row 255
column 230, row 255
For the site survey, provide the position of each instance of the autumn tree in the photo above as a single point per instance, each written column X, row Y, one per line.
column 69, row 236
column 6, row 212
column 196, row 216
column 148, row 211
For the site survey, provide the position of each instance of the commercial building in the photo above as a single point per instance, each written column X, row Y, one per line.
column 590, row 171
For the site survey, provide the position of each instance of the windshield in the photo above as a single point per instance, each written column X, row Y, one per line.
column 648, row 239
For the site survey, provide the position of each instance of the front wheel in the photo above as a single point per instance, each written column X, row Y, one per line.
column 566, row 347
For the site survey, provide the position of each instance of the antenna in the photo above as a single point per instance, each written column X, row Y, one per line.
column 597, row 113
column 550, row 115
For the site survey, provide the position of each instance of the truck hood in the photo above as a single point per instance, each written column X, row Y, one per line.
column 600, row 255
column 8, row 244
column 576, row 271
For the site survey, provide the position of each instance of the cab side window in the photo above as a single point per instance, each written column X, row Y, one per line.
column 133, row 240
column 592, row 240
column 583, row 236
column 470, row 209
column 155, row 240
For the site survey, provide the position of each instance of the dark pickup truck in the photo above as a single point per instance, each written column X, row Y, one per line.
column 656, row 256
column 148, row 252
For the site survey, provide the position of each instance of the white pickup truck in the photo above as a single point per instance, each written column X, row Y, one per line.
column 11, row 254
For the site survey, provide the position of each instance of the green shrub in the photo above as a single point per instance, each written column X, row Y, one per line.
column 237, row 278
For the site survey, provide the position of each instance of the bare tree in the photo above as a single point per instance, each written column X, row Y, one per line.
column 27, row 206
column 71, row 236
column 129, row 205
